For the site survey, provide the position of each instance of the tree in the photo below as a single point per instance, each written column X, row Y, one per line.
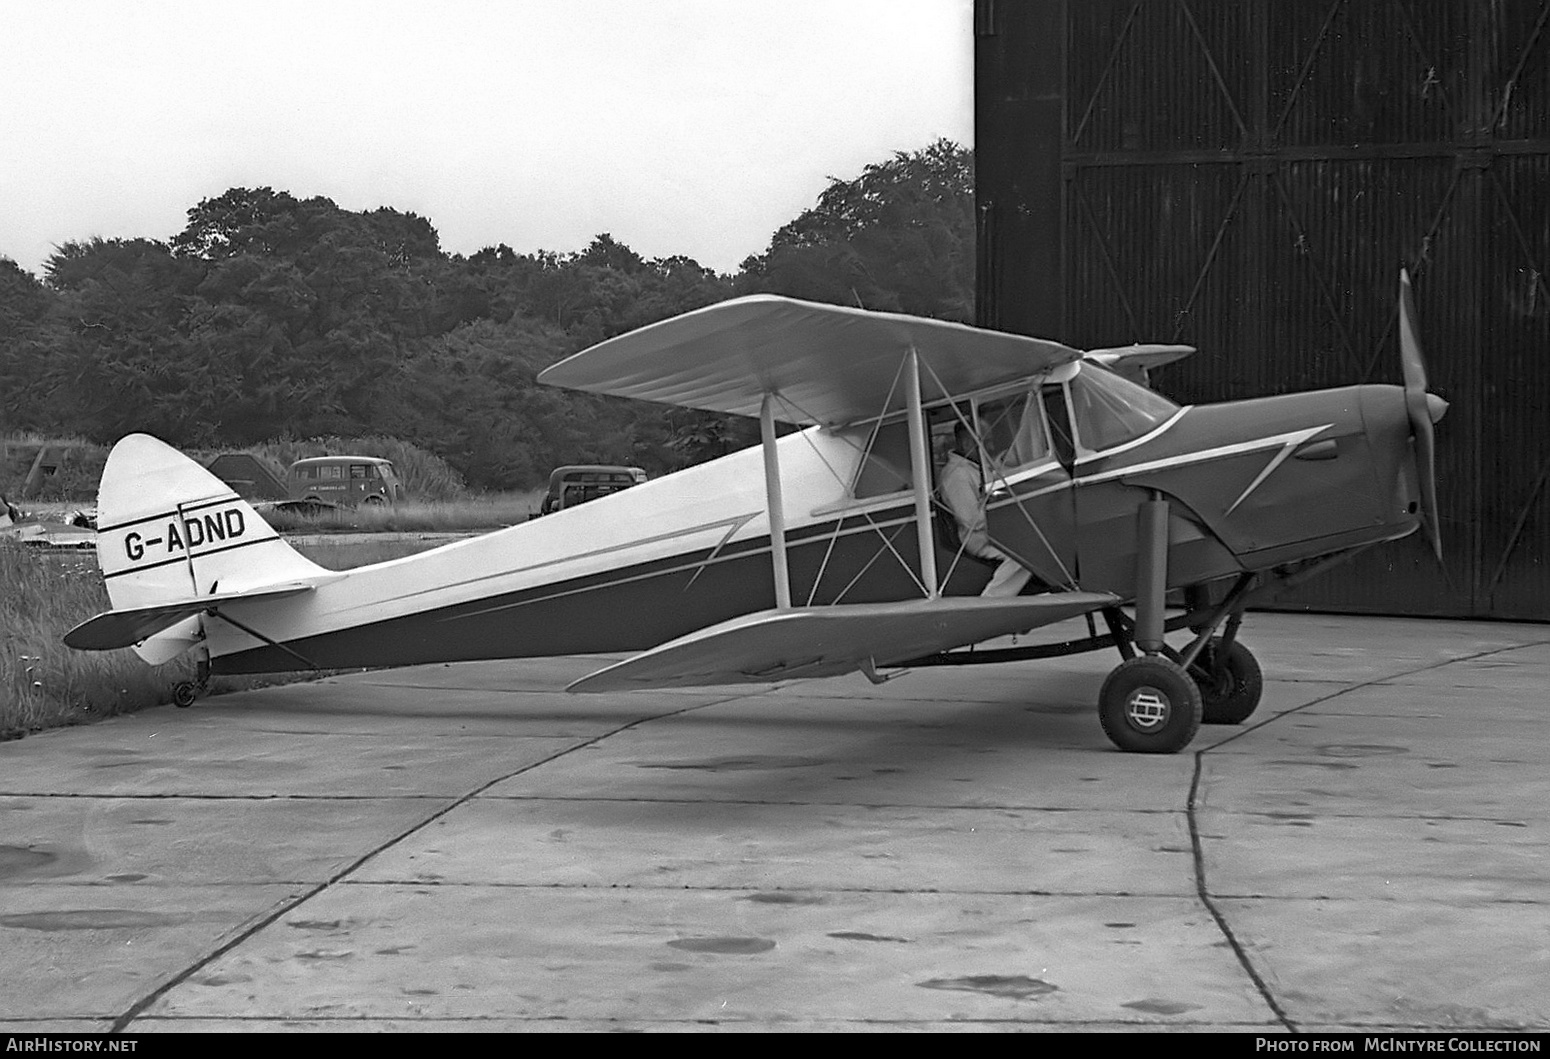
column 242, row 220
column 120, row 361
column 899, row 237
column 29, row 335
column 270, row 314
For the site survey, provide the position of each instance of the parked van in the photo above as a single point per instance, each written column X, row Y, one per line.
column 344, row 480
column 578, row 483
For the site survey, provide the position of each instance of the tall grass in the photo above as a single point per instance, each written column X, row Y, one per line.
column 43, row 595
column 342, row 554
column 469, row 514
column 43, row 683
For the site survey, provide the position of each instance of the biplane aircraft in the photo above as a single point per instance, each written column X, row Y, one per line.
column 823, row 551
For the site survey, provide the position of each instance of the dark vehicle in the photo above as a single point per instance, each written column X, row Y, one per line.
column 576, row 484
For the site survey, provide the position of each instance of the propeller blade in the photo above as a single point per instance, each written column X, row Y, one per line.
column 1420, row 411
column 1426, row 471
column 1410, row 356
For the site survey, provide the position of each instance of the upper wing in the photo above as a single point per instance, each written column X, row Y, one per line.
column 828, row 641
column 1135, row 362
column 833, row 365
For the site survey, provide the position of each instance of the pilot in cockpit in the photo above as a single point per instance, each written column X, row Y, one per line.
column 961, row 485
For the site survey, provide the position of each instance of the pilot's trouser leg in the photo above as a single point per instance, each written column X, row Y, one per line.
column 1010, row 577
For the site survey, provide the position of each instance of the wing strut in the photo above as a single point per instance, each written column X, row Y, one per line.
column 774, row 504
column 920, row 474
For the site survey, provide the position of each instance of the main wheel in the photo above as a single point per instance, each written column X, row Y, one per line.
column 374, row 501
column 1232, row 691
column 183, row 694
column 1149, row 705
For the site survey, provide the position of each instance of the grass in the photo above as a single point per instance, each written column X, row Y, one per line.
column 470, row 514
column 346, row 555
column 44, row 684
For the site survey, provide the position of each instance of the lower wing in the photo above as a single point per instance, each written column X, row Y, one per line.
column 774, row 645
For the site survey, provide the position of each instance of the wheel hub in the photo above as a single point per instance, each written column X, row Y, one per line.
column 1147, row 709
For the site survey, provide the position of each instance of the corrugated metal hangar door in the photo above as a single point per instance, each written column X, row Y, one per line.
column 1248, row 176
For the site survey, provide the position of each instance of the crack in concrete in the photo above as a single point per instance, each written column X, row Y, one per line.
column 903, row 891
column 163, row 797
column 135, row 1010
column 1203, row 890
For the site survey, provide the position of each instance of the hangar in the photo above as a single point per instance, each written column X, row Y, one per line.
column 1248, row 176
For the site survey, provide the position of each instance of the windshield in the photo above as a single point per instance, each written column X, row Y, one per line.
column 1110, row 411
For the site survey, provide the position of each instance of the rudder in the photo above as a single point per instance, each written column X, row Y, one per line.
column 168, row 529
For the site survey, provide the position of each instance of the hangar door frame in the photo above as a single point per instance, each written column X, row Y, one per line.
column 1248, row 176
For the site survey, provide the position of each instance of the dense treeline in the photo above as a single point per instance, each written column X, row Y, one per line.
column 271, row 316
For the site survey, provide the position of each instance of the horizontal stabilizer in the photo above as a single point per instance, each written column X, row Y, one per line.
column 772, row 645
column 127, row 627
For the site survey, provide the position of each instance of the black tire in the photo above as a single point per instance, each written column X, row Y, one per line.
column 1150, row 706
column 374, row 501
column 183, row 694
column 1233, row 694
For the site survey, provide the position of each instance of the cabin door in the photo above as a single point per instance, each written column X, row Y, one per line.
column 1030, row 509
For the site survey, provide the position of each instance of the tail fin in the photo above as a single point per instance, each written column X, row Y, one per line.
column 170, row 533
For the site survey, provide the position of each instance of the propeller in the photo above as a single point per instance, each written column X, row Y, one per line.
column 1424, row 410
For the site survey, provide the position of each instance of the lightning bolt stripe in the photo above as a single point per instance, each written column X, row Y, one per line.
column 1287, row 442
column 1280, row 458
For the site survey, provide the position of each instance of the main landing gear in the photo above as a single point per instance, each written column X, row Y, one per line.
column 1154, row 702
column 1149, row 705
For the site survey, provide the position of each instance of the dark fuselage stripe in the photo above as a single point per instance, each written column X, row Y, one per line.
column 759, row 546
column 187, row 509
column 620, row 609
column 185, row 557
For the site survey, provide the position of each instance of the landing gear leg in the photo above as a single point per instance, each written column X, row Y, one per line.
column 1226, row 671
column 1228, row 674
column 1149, row 704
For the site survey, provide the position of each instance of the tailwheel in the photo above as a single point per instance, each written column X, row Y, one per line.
column 1230, row 682
column 1150, row 705
column 184, row 692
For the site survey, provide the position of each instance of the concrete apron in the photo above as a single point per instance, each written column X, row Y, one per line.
column 467, row 847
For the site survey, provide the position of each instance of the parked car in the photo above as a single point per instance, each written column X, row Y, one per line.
column 578, row 483
column 344, row 481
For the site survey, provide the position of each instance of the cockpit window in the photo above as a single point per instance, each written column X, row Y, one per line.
column 1012, row 431
column 886, row 468
column 1110, row 411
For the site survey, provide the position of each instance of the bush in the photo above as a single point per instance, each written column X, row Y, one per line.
column 77, row 463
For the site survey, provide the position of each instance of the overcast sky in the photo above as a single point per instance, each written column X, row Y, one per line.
column 691, row 127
